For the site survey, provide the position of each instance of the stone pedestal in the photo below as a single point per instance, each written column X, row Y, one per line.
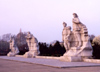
column 76, row 55
column 10, row 54
column 71, row 58
column 31, row 54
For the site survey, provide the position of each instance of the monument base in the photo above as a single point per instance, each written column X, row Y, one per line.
column 28, row 55
column 19, row 56
column 31, row 54
column 76, row 55
column 71, row 58
column 10, row 54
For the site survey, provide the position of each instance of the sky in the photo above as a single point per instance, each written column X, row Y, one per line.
column 44, row 18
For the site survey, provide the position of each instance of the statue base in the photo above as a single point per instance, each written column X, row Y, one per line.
column 31, row 54
column 77, row 55
column 71, row 58
column 10, row 54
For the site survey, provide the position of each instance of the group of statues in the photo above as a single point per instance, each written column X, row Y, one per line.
column 32, row 44
column 76, row 42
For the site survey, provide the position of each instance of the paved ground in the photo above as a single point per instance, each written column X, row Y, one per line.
column 13, row 66
column 51, row 62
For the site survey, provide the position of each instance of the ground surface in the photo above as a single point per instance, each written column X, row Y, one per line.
column 51, row 62
column 13, row 66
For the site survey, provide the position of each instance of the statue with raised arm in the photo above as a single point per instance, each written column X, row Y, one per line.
column 14, row 49
column 33, row 46
column 66, row 36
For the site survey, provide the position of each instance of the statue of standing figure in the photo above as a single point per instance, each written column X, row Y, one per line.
column 77, row 29
column 33, row 46
column 66, row 36
column 14, row 49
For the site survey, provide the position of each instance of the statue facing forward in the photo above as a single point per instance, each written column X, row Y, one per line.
column 33, row 46
column 14, row 49
column 76, row 42
column 66, row 36
column 77, row 29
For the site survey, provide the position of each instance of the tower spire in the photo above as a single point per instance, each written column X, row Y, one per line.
column 20, row 30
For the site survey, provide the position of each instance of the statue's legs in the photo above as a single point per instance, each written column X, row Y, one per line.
column 29, row 44
column 78, row 36
column 66, row 46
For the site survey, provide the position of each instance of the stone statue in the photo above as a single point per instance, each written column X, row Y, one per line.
column 66, row 36
column 14, row 49
column 33, row 46
column 77, row 29
column 79, row 43
column 28, row 39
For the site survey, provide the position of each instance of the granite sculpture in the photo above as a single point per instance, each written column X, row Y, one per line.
column 14, row 49
column 33, row 46
column 76, row 42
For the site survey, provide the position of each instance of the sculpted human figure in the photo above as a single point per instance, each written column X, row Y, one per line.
column 14, row 49
column 33, row 46
column 79, row 44
column 77, row 28
column 28, row 39
column 66, row 36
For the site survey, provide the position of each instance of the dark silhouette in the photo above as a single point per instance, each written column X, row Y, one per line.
column 4, row 47
column 21, row 43
column 96, row 51
column 56, row 50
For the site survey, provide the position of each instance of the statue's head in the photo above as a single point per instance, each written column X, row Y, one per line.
column 12, row 38
column 28, row 33
column 69, row 28
column 64, row 24
column 13, row 42
column 75, row 15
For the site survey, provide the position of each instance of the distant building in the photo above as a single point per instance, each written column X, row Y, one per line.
column 20, row 38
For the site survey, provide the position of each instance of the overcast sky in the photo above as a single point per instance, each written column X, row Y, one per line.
column 44, row 18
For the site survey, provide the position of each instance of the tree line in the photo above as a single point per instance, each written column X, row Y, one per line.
column 53, row 50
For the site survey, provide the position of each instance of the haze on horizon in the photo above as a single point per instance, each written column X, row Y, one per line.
column 44, row 18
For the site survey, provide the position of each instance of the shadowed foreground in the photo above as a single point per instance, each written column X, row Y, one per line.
column 13, row 66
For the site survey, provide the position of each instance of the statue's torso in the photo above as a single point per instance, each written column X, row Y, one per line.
column 66, row 34
column 76, row 27
column 76, row 24
column 65, row 31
